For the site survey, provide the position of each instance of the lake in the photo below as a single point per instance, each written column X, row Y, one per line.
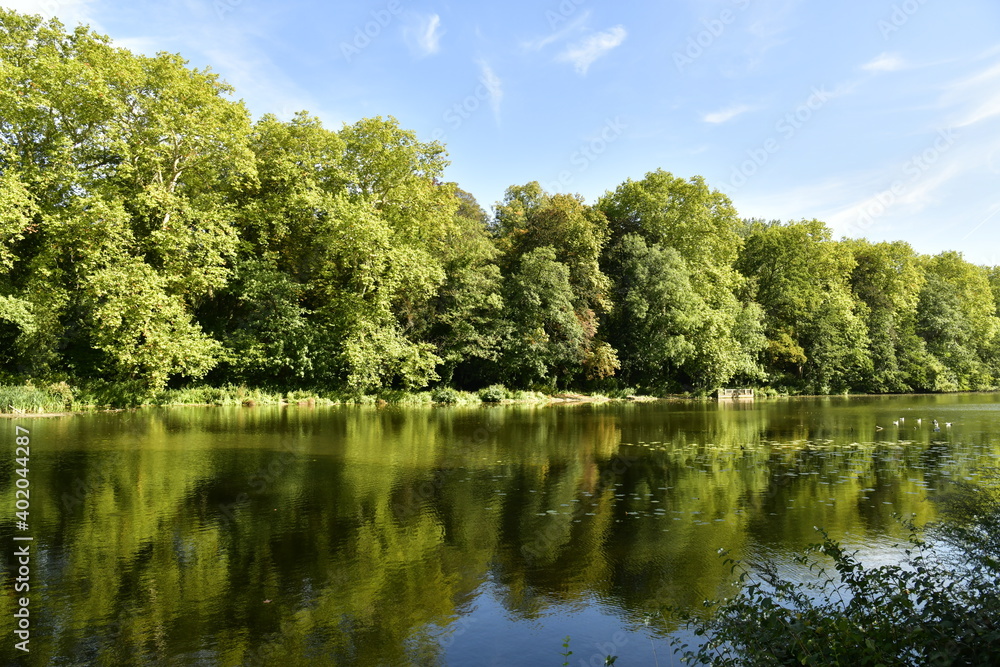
column 306, row 535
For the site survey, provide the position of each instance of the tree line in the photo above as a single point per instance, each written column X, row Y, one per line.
column 153, row 233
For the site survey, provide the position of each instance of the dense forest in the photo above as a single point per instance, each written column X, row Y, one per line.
column 154, row 233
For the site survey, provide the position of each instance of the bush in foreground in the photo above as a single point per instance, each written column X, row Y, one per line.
column 940, row 606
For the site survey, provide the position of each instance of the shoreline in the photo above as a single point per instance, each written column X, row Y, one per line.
column 61, row 399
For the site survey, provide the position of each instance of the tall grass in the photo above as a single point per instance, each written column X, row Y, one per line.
column 30, row 399
column 102, row 394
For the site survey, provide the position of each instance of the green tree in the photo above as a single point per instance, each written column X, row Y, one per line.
column 956, row 316
column 529, row 219
column 128, row 161
column 814, row 326
column 887, row 278
column 702, row 227
column 545, row 339
column 351, row 226
column 464, row 319
column 656, row 314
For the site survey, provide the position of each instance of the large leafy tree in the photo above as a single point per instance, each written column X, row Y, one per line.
column 464, row 319
column 546, row 340
column 702, row 227
column 815, row 328
column 657, row 313
column 343, row 240
column 528, row 220
column 128, row 161
column 887, row 279
column 956, row 316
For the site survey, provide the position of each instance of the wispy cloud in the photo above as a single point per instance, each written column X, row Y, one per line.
column 885, row 207
column 426, row 34
column 886, row 62
column 978, row 95
column 726, row 114
column 988, row 108
column 583, row 54
column 493, row 86
column 541, row 42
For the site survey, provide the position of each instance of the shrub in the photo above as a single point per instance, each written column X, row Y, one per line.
column 931, row 609
column 494, row 393
column 446, row 395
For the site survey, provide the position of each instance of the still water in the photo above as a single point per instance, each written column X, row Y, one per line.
column 446, row 536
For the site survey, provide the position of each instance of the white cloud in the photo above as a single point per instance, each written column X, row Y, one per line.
column 726, row 114
column 988, row 108
column 493, row 86
column 428, row 34
column 541, row 42
column 584, row 53
column 977, row 95
column 886, row 62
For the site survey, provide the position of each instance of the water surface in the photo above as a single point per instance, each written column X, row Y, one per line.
column 448, row 536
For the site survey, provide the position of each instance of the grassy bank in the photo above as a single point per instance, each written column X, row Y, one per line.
column 62, row 397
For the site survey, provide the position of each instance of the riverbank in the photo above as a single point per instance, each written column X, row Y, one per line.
column 62, row 398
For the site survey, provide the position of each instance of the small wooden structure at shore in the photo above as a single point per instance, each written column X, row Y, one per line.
column 742, row 394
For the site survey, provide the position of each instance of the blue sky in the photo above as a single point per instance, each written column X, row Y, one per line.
column 879, row 117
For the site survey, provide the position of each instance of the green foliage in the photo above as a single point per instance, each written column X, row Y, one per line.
column 152, row 234
column 530, row 220
column 566, row 653
column 546, row 340
column 936, row 607
column 959, row 326
column 445, row 395
column 463, row 320
column 19, row 398
column 657, row 312
column 227, row 395
column 113, row 202
column 495, row 393
column 120, row 394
